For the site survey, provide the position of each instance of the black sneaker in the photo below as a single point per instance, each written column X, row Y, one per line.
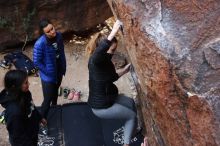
column 138, row 131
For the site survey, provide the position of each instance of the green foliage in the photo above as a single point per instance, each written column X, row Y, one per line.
column 27, row 22
column 4, row 23
column 12, row 22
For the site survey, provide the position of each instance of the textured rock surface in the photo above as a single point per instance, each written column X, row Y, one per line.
column 21, row 17
column 175, row 49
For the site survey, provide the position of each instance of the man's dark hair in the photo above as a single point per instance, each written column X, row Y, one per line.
column 43, row 23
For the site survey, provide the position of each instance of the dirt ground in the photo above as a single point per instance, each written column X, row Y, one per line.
column 76, row 77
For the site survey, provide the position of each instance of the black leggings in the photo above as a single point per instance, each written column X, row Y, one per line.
column 50, row 93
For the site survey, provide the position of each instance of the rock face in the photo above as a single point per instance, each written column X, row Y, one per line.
column 175, row 49
column 19, row 18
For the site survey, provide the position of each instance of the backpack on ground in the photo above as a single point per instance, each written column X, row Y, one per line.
column 21, row 62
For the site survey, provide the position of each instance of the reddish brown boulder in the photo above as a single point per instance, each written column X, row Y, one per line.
column 175, row 49
column 21, row 17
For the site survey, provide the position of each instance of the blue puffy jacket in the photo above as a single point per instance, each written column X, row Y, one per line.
column 44, row 57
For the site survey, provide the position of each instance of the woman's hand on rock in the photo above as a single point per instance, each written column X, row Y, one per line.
column 115, row 29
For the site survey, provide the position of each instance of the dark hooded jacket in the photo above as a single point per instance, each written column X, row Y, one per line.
column 22, row 124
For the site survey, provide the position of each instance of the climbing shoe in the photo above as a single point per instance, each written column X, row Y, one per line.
column 138, row 131
column 71, row 94
column 66, row 92
column 60, row 91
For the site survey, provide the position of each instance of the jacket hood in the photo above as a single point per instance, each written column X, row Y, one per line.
column 4, row 98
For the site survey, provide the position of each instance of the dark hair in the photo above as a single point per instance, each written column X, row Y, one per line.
column 43, row 23
column 13, row 85
column 13, row 81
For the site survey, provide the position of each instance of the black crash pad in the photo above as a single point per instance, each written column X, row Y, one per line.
column 75, row 125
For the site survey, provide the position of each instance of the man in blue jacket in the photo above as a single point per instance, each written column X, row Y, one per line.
column 49, row 58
